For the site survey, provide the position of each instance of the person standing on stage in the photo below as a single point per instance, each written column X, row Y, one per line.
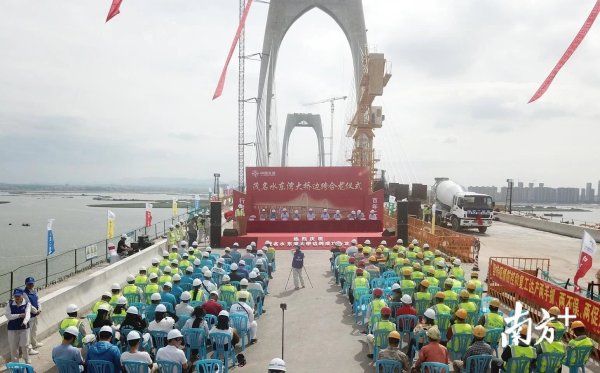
column 297, row 266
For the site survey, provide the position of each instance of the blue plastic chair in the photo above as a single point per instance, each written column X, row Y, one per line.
column 421, row 305
column 169, row 366
column 100, row 366
column 209, row 366
column 435, row 368
column 90, row 317
column 388, row 282
column 478, row 363
column 181, row 322
column 239, row 322
column 236, row 284
column 433, row 290
column 66, row 366
column 358, row 294
column 549, row 362
column 195, row 339
column 169, row 306
column 211, row 320
column 443, row 322
column 159, row 339
column 117, row 319
column 141, row 307
column 259, row 298
column 216, row 278
column 362, row 306
column 405, row 324
column 422, row 335
column 132, row 298
column 460, row 343
column 227, row 297
column 19, row 368
column 409, row 291
column 452, row 303
column 222, row 348
column 388, row 366
column 377, row 282
column 135, row 367
column 388, row 274
column 492, row 337
column 196, row 303
column 518, row 364
column 380, row 341
column 577, row 358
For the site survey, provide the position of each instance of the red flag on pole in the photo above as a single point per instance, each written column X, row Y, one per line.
column 221, row 84
column 148, row 214
column 588, row 249
column 114, row 9
column 569, row 52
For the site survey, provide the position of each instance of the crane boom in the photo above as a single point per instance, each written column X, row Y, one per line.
column 327, row 100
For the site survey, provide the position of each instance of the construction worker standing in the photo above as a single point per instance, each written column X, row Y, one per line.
column 172, row 236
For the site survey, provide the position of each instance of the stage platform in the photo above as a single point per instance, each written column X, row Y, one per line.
column 308, row 241
column 314, row 226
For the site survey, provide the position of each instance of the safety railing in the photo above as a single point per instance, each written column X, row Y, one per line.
column 62, row 265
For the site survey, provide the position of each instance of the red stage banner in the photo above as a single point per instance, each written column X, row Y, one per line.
column 544, row 294
column 241, row 25
column 301, row 188
column 569, row 52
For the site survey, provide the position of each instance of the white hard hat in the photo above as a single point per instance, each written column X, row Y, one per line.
column 197, row 262
column 167, row 270
column 171, row 226
column 104, row 307
column 142, row 268
column 174, row 261
column 175, row 333
column 430, row 313
column 123, row 236
column 204, row 269
column 183, row 243
column 161, row 308
column 154, row 261
column 214, row 292
column 107, row 294
column 456, row 262
column 155, row 296
column 337, row 211
column 106, row 328
column 372, row 212
column 176, row 277
column 399, row 240
column 174, row 247
column 358, row 211
column 225, row 278
column 152, row 276
column 242, row 262
column 133, row 336
column 367, row 242
column 185, row 295
column 233, row 267
column 353, row 212
column 284, row 209
column 354, row 241
column 244, row 282
column 72, row 308
column 406, row 299
column 168, row 285
column 272, row 210
column 122, row 301
column 115, row 286
column 324, row 210
column 196, row 282
column 194, row 244
column 133, row 310
column 207, row 274
column 260, row 252
column 384, row 242
column 130, row 278
column 252, row 274
column 205, row 254
column 310, row 209
column 235, row 244
column 224, row 313
column 221, row 260
column 415, row 241
column 395, row 286
column 249, row 247
column 165, row 253
column 295, row 211
column 426, row 246
column 277, row 364
column 190, row 268
column 72, row 330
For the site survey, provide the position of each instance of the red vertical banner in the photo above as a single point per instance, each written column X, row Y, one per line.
column 114, row 9
column 569, row 52
column 221, row 83
column 148, row 214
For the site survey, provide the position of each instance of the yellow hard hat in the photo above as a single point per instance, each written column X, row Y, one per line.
column 407, row 271
column 420, row 255
column 479, row 331
column 379, row 250
column 464, row 294
column 474, row 275
column 372, row 259
column 440, row 295
column 524, row 330
column 554, row 311
column 471, row 285
column 431, row 271
column 416, row 266
column 425, row 283
column 394, row 335
column 461, row 314
column 496, row 303
column 577, row 324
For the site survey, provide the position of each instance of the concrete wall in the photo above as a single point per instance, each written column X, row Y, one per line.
column 85, row 293
column 549, row 226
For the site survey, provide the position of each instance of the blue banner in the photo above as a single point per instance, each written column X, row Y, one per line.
column 196, row 202
column 50, row 246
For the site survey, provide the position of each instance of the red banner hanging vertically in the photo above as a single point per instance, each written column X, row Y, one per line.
column 114, row 9
column 569, row 52
column 221, row 84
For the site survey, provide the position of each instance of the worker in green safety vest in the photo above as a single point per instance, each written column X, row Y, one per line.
column 376, row 305
column 460, row 326
column 466, row 304
column 440, row 271
column 104, row 299
column 392, row 256
column 154, row 268
column 559, row 327
column 492, row 319
column 407, row 282
column 417, row 275
column 473, row 297
column 73, row 319
column 427, row 266
column 359, row 282
column 410, row 253
column 549, row 347
column 198, row 293
column 450, row 295
column 476, row 281
column 172, row 236
column 427, row 253
column 175, row 267
column 431, row 277
column 457, row 271
column 581, row 340
column 152, row 286
column 174, row 254
column 383, row 324
column 184, row 262
column 165, row 277
column 416, row 247
column 115, row 290
column 351, row 268
column 131, row 287
column 399, row 246
column 423, row 294
column 191, row 252
column 439, row 307
column 164, row 262
column 522, row 349
column 142, row 278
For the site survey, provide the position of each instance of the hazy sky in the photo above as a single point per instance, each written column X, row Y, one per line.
column 85, row 101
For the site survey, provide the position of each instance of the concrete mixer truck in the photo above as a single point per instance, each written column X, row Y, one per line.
column 460, row 209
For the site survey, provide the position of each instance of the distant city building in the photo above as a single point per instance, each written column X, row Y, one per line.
column 541, row 193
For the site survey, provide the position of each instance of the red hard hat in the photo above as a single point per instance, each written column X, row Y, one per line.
column 378, row 292
column 352, row 260
column 386, row 311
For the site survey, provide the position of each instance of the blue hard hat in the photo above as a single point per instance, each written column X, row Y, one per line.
column 18, row 292
column 29, row 280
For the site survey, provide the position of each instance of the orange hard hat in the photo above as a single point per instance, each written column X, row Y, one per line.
column 461, row 314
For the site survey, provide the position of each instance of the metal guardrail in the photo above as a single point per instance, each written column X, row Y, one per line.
column 58, row 267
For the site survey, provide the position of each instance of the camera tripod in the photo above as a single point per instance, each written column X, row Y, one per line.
column 307, row 276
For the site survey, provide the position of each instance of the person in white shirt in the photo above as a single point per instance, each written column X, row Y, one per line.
column 218, row 268
column 296, row 215
column 337, row 215
column 352, row 249
column 310, row 215
column 207, row 282
column 372, row 215
column 162, row 322
column 133, row 341
column 325, row 215
column 173, row 351
column 184, row 308
column 18, row 313
column 197, row 320
column 241, row 307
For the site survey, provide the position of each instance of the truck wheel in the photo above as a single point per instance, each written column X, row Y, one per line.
column 482, row 229
column 455, row 224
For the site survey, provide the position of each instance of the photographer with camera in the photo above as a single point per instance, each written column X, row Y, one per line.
column 297, row 265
